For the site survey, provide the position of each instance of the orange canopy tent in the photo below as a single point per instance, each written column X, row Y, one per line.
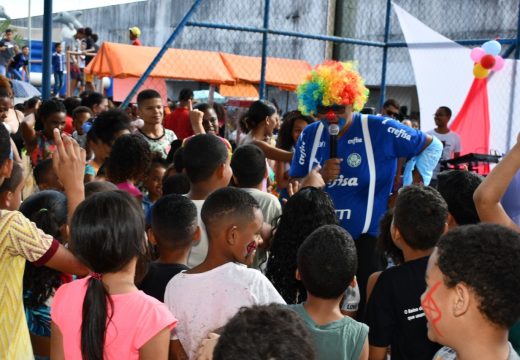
column 286, row 74
column 122, row 61
column 236, row 74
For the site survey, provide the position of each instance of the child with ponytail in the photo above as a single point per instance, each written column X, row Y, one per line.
column 105, row 316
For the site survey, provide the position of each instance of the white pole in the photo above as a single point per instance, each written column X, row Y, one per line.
column 29, row 28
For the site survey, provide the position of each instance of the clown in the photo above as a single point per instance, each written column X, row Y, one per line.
column 359, row 180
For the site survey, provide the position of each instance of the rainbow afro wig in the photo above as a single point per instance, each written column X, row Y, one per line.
column 332, row 83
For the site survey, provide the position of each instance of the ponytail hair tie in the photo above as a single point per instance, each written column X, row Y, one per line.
column 97, row 276
column 43, row 210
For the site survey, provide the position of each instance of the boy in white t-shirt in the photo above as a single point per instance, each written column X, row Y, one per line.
column 449, row 139
column 207, row 296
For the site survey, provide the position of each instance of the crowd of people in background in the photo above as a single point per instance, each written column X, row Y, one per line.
column 145, row 233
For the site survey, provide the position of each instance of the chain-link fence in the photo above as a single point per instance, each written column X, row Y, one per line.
column 226, row 43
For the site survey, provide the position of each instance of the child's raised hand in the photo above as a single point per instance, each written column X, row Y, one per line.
column 196, row 117
column 69, row 161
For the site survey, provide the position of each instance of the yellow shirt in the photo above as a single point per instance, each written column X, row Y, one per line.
column 20, row 240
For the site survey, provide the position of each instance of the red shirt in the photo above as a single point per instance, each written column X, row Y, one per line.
column 69, row 128
column 136, row 42
column 179, row 122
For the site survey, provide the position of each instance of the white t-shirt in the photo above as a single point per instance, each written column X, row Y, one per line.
column 199, row 251
column 451, row 145
column 205, row 302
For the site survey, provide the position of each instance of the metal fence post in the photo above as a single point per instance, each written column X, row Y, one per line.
column 264, row 49
column 385, row 54
column 47, row 50
column 161, row 52
column 517, row 54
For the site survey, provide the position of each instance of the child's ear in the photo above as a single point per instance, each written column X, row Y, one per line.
column 151, row 237
column 451, row 222
column 353, row 282
column 6, row 168
column 196, row 235
column 461, row 300
column 5, row 199
column 219, row 171
column 297, row 275
column 232, row 235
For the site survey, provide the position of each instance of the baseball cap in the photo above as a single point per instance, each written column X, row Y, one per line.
column 135, row 31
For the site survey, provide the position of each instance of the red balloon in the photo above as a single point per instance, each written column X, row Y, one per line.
column 487, row 61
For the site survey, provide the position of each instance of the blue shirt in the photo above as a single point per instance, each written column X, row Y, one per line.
column 58, row 62
column 369, row 149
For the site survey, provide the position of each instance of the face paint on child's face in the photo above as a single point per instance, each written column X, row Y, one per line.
column 431, row 309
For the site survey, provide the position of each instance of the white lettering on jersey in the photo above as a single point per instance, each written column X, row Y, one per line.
column 301, row 160
column 322, row 144
column 354, row 141
column 343, row 181
column 343, row 214
column 399, row 133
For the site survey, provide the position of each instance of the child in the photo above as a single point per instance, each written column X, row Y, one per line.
column 206, row 160
column 304, row 212
column 174, row 230
column 471, row 299
column 457, row 188
column 292, row 126
column 249, row 171
column 139, row 325
column 58, row 67
column 45, row 176
column 48, row 210
column 175, row 184
column 95, row 101
column 394, row 312
column 80, row 116
column 107, row 127
column 153, row 179
column 265, row 332
column 94, row 187
column 19, row 67
column 259, row 122
column 207, row 296
column 37, row 131
column 129, row 160
column 11, row 189
column 20, row 240
column 327, row 264
column 151, row 110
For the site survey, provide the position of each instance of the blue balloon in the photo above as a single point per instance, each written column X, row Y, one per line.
column 492, row 47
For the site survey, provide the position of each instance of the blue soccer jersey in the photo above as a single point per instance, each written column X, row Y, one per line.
column 369, row 149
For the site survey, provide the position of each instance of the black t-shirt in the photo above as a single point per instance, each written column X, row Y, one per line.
column 155, row 281
column 394, row 312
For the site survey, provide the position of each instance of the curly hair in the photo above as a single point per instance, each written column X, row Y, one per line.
column 285, row 140
column 48, row 210
column 303, row 213
column 385, row 243
column 266, row 332
column 485, row 258
column 130, row 159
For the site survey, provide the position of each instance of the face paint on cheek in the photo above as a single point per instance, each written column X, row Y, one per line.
column 430, row 308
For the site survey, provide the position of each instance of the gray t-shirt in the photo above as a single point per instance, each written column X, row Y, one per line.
column 447, row 353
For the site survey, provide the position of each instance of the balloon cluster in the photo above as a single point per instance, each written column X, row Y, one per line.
column 487, row 59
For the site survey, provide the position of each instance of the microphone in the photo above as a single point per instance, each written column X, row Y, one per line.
column 333, row 137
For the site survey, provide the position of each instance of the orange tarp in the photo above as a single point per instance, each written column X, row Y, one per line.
column 121, row 61
column 241, row 90
column 286, row 74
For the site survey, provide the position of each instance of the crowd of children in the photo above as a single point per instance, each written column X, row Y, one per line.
column 120, row 241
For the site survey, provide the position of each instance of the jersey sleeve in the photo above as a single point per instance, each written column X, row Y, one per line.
column 300, row 161
column 380, row 314
column 403, row 141
column 457, row 148
column 26, row 240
